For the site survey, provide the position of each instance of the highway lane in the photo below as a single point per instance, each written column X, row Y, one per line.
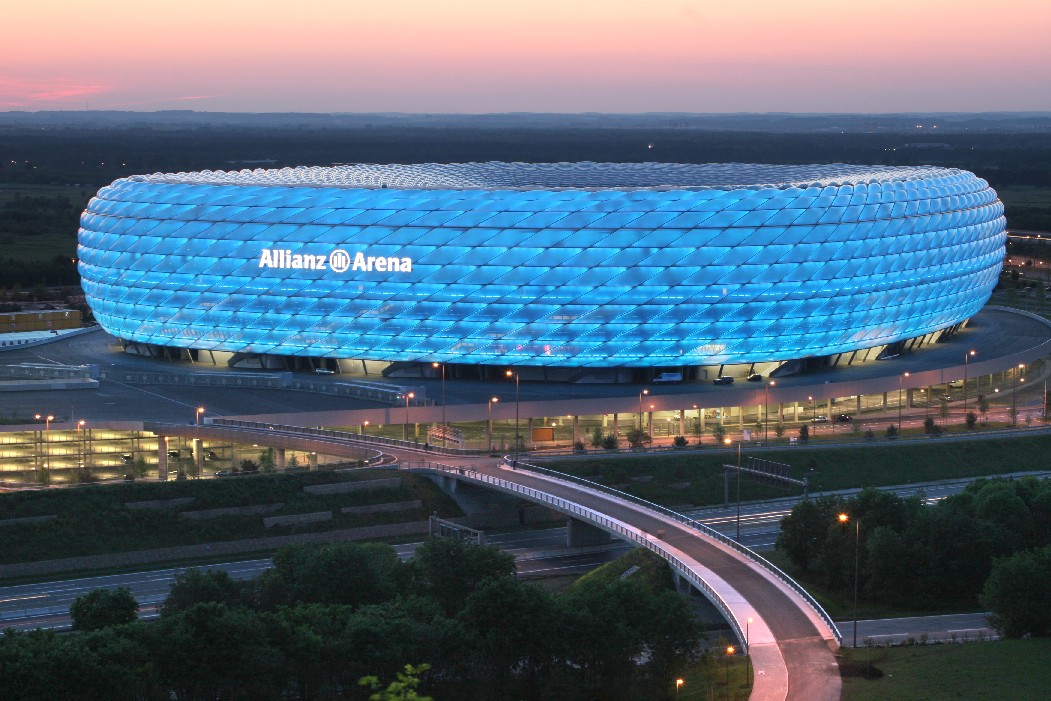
column 541, row 552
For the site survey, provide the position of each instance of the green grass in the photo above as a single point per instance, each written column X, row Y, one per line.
column 652, row 570
column 697, row 479
column 1008, row 670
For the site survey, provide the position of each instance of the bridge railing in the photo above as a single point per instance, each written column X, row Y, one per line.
column 702, row 528
column 598, row 518
column 345, row 436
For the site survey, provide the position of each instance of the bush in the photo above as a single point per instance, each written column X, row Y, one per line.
column 679, row 441
column 1018, row 592
column 579, row 446
column 610, row 442
column 596, row 437
column 931, row 428
column 971, row 419
column 804, row 433
column 637, row 438
column 892, row 431
column 779, row 429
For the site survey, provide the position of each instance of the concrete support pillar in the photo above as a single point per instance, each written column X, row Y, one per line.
column 198, row 456
column 740, row 417
column 857, row 406
column 908, row 398
column 795, row 411
column 616, row 424
column 312, row 461
column 884, row 401
column 703, row 427
column 576, row 430
column 682, row 422
column 162, row 458
column 580, row 534
column 279, row 459
column 649, row 422
column 829, row 412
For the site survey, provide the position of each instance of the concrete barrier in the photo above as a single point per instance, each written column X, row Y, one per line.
column 27, row 520
column 160, row 504
column 345, row 487
column 254, row 510
column 383, row 508
column 297, row 519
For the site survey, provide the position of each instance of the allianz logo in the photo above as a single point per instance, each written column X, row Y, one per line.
column 338, row 261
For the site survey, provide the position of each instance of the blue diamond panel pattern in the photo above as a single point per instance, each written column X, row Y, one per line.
column 582, row 264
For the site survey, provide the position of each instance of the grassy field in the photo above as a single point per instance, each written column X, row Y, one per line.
column 101, row 512
column 1008, row 670
column 677, row 480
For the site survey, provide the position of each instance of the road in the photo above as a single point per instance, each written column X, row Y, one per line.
column 46, row 604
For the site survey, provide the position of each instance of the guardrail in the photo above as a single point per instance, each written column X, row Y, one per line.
column 598, row 518
column 701, row 528
column 347, row 436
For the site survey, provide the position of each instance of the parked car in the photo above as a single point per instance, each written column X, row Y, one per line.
column 173, row 453
column 127, row 458
column 211, row 455
column 844, row 418
column 324, row 371
column 820, row 419
column 755, row 377
column 723, row 380
column 668, row 377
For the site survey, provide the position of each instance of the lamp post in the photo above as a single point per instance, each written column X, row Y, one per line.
column 489, row 424
column 766, row 411
column 405, row 429
column 200, row 410
column 364, row 427
column 1014, row 394
column 844, row 518
column 678, row 685
column 729, row 441
column 47, row 442
column 729, row 654
column 444, row 425
column 700, row 434
column 643, row 392
column 748, row 651
column 903, row 375
column 966, row 359
column 518, row 437
column 813, row 413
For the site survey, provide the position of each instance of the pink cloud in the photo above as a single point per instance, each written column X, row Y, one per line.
column 26, row 93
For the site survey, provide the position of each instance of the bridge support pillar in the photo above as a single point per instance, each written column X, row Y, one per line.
column 682, row 585
column 198, row 456
column 279, row 458
column 312, row 461
column 616, row 425
column 576, row 430
column 682, row 422
column 162, row 458
column 884, row 401
column 857, row 408
column 579, row 534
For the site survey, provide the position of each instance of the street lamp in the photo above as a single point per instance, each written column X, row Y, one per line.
column 766, row 411
column 844, row 518
column 678, row 685
column 729, row 441
column 364, row 426
column 643, row 392
column 405, row 429
column 729, row 654
column 444, row 425
column 966, row 359
column 748, row 651
column 489, row 425
column 899, row 399
column 47, row 441
column 200, row 410
column 518, row 437
column 1014, row 394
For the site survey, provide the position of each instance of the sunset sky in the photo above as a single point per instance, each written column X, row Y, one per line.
column 475, row 56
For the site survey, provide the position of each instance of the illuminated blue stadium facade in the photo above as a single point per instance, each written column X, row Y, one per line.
column 574, row 265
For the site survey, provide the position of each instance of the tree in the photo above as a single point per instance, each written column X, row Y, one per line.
column 679, row 441
column 943, row 410
column 779, row 429
column 596, row 437
column 638, row 438
column 610, row 442
column 249, row 465
column 139, row 466
column 971, row 419
column 802, row 532
column 892, row 431
column 1018, row 593
column 983, row 406
column 931, row 428
column 197, row 586
column 401, row 689
column 804, row 433
column 719, row 433
column 102, row 608
column 293, row 461
column 266, row 461
column 448, row 570
column 335, row 573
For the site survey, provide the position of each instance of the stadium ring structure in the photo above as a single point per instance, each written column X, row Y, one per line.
column 584, row 265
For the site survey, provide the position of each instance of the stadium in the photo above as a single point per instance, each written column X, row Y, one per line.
column 566, row 265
